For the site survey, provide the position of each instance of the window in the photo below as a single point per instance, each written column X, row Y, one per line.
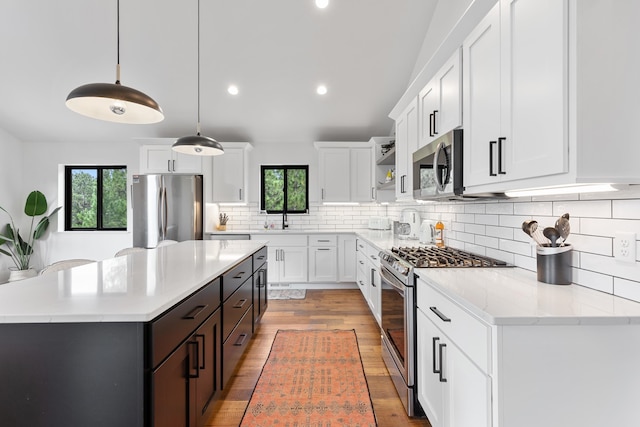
column 280, row 183
column 95, row 198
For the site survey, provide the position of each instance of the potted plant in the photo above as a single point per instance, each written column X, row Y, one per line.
column 18, row 248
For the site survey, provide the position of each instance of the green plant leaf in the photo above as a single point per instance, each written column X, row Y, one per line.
column 42, row 226
column 2, row 251
column 36, row 204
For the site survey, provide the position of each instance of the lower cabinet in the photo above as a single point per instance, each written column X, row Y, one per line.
column 186, row 382
column 323, row 258
column 368, row 276
column 260, row 300
column 347, row 258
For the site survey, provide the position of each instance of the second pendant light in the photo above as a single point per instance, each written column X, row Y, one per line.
column 197, row 144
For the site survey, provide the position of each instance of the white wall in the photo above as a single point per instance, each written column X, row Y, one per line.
column 12, row 194
column 42, row 163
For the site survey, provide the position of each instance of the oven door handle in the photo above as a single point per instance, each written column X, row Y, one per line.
column 392, row 281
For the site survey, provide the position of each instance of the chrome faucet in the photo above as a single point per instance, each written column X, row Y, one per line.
column 284, row 220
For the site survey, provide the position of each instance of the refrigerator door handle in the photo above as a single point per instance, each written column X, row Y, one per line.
column 164, row 214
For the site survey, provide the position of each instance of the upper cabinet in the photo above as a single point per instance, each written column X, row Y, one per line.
column 440, row 102
column 160, row 158
column 346, row 171
column 230, row 173
column 406, row 144
column 515, row 94
column 384, row 171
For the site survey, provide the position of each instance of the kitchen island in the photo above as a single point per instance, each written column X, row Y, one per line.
column 107, row 343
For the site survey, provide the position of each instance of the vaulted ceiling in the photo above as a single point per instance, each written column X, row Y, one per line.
column 275, row 51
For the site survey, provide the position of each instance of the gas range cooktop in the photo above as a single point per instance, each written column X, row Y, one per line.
column 435, row 257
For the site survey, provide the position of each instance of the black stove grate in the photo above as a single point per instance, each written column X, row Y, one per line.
column 435, row 257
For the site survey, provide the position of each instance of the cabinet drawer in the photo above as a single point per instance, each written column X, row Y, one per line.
column 234, row 308
column 362, row 262
column 373, row 254
column 323, row 240
column 469, row 333
column 175, row 325
column 361, row 246
column 232, row 279
column 284, row 239
column 259, row 258
column 235, row 345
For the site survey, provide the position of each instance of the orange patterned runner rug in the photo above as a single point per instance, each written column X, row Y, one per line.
column 311, row 379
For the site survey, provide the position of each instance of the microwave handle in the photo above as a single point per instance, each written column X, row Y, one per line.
column 439, row 184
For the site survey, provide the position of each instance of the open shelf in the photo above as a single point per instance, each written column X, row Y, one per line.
column 387, row 185
column 389, row 158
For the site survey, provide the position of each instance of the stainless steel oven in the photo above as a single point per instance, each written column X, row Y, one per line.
column 397, row 305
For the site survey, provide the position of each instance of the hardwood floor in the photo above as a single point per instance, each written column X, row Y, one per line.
column 322, row 309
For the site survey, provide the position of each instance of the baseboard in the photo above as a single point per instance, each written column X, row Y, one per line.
column 345, row 285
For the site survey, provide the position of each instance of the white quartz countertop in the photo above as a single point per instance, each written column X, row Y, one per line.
column 131, row 288
column 513, row 296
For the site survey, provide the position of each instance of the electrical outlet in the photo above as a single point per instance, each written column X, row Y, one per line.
column 624, row 247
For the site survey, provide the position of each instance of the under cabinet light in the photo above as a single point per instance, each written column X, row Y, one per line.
column 341, row 203
column 569, row 189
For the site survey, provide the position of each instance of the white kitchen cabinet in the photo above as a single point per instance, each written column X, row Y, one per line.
column 515, row 73
column 368, row 276
column 288, row 259
column 162, row 159
column 345, row 171
column 323, row 258
column 362, row 275
column 384, row 163
column 347, row 258
column 230, row 174
column 406, row 143
column 440, row 102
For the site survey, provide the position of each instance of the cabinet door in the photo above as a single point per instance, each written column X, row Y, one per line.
column 323, row 264
column 346, row 258
column 208, row 381
column 468, row 390
column 171, row 390
column 273, row 275
column 534, row 76
column 361, row 171
column 430, row 390
column 429, row 110
column 482, row 86
column 228, row 176
column 260, row 300
column 334, row 175
column 375, row 293
column 156, row 159
column 406, row 144
column 449, row 115
column 293, row 264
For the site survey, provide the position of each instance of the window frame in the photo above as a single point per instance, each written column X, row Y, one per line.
column 99, row 208
column 286, row 168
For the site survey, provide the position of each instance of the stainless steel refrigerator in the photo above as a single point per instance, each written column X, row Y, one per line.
column 166, row 207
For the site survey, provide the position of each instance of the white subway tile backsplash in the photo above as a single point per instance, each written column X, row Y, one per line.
column 474, row 228
column 533, row 208
column 591, row 208
column 489, row 242
column 513, row 221
column 487, row 219
column 608, row 227
column 593, row 280
column 626, row 289
column 469, row 218
column 626, row 209
column 525, row 262
column 610, row 266
column 499, row 208
column 591, row 244
column 500, row 232
column 476, row 249
column 465, row 237
column 478, row 208
column 521, row 248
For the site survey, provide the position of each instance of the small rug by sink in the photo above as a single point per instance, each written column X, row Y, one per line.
column 311, row 378
column 286, row 294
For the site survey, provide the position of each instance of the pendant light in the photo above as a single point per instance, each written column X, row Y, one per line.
column 114, row 102
column 197, row 144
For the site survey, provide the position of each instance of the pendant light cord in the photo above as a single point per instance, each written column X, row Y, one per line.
column 118, row 43
column 198, row 129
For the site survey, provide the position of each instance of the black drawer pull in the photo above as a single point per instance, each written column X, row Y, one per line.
column 439, row 314
column 203, row 358
column 240, row 303
column 240, row 340
column 239, row 275
column 440, row 373
column 195, row 358
column 261, row 257
column 195, row 312
column 433, row 354
column 323, row 249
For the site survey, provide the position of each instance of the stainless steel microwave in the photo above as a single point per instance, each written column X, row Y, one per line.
column 437, row 168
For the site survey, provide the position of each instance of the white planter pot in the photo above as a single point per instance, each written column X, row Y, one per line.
column 15, row 275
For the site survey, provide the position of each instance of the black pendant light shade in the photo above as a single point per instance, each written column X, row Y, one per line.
column 114, row 102
column 198, row 145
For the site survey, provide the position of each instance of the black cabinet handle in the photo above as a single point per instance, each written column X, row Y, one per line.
column 323, row 249
column 433, row 354
column 440, row 373
column 491, row 172
column 195, row 366
column 202, row 359
column 431, row 121
column 239, row 275
column 439, row 314
column 168, row 165
column 240, row 303
column 500, row 141
column 195, row 312
column 434, row 122
column 373, row 280
column 261, row 257
column 240, row 340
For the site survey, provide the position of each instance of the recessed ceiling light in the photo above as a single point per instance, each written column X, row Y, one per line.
column 233, row 89
column 321, row 90
column 322, row 3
